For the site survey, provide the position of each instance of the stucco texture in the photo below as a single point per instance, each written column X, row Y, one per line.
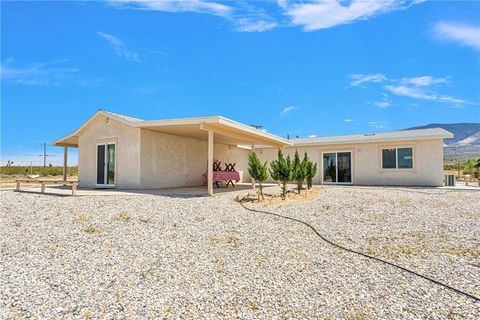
column 148, row 159
column 366, row 162
column 127, row 139
column 169, row 161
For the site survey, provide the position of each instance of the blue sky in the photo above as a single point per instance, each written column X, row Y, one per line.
column 301, row 68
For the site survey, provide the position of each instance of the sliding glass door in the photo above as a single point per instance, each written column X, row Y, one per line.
column 337, row 167
column 106, row 165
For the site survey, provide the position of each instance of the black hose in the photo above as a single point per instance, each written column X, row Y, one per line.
column 477, row 299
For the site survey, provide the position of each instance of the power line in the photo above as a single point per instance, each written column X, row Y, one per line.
column 45, row 155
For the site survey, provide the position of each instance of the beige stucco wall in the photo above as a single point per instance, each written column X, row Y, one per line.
column 169, row 161
column 127, row 166
column 366, row 160
column 147, row 159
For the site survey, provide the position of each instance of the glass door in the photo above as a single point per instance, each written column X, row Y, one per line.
column 106, row 165
column 337, row 167
column 330, row 167
column 344, row 167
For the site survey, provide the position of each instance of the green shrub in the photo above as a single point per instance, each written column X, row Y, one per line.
column 471, row 166
column 311, row 172
column 299, row 170
column 258, row 171
column 281, row 170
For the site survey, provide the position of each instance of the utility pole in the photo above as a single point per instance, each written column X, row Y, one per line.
column 45, row 155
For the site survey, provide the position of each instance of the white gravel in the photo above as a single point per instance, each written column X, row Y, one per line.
column 146, row 256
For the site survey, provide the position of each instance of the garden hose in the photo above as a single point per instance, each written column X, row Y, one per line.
column 477, row 299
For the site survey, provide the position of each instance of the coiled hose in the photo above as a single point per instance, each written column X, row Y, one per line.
column 477, row 299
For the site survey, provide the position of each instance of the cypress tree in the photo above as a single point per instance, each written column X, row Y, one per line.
column 311, row 172
column 299, row 170
column 257, row 171
column 282, row 170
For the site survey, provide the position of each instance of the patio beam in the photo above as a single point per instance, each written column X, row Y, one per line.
column 244, row 138
column 210, row 163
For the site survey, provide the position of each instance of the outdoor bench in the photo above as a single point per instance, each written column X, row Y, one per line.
column 44, row 182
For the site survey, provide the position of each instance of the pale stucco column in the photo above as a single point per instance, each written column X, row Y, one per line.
column 253, row 180
column 65, row 165
column 210, row 163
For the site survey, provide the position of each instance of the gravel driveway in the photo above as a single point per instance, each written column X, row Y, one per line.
column 145, row 256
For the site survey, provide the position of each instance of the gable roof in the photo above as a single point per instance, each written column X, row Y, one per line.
column 71, row 140
column 227, row 130
column 419, row 134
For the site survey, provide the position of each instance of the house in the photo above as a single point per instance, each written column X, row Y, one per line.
column 117, row 151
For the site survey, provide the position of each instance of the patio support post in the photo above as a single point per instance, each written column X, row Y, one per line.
column 65, row 165
column 210, row 163
column 253, row 180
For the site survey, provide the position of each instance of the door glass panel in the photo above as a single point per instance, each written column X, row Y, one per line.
column 101, row 164
column 405, row 158
column 330, row 167
column 111, row 164
column 388, row 159
column 344, row 164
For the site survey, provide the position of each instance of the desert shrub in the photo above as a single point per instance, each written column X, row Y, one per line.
column 472, row 166
column 40, row 170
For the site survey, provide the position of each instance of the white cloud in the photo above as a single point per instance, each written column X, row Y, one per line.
column 198, row 6
column 378, row 124
column 382, row 104
column 348, row 120
column 119, row 47
column 357, row 79
column 244, row 16
column 330, row 13
column 254, row 25
column 413, row 87
column 411, row 92
column 424, row 81
column 420, row 93
column 461, row 33
column 38, row 73
column 287, row 110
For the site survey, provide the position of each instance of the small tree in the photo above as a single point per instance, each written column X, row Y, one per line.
column 258, row 171
column 299, row 170
column 282, row 170
column 311, row 172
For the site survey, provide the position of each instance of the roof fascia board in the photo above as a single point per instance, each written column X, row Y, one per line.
column 88, row 122
column 369, row 141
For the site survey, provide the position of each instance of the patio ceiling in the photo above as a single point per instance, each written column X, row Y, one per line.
column 226, row 131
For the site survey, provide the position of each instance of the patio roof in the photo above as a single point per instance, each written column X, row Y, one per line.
column 226, row 131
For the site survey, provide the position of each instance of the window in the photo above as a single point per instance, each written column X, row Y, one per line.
column 397, row 158
column 405, row 158
column 388, row 158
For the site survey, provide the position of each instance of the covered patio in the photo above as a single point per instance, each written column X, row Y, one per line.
column 216, row 130
column 152, row 150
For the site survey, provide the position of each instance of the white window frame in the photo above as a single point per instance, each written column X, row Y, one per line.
column 336, row 166
column 396, row 157
column 105, row 171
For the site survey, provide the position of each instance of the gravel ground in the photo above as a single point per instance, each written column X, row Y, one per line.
column 145, row 256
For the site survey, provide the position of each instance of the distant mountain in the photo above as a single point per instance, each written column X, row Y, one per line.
column 466, row 140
